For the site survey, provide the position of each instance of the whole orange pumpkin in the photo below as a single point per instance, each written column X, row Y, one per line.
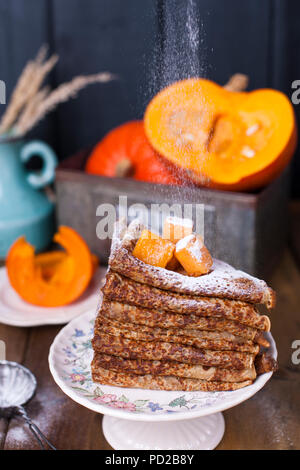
column 128, row 145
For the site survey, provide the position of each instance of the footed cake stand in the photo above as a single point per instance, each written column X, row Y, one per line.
column 136, row 419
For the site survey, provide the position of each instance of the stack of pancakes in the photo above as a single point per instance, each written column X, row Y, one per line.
column 162, row 330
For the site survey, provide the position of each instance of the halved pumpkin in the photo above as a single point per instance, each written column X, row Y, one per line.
column 224, row 139
column 51, row 279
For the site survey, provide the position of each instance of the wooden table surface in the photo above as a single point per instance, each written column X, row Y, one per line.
column 269, row 420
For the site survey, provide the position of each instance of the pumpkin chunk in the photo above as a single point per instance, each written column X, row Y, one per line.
column 173, row 265
column 193, row 255
column 176, row 228
column 153, row 249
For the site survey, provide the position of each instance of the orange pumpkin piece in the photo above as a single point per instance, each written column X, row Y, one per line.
column 173, row 265
column 193, row 256
column 125, row 151
column 49, row 262
column 51, row 279
column 176, row 228
column 153, row 249
column 224, row 139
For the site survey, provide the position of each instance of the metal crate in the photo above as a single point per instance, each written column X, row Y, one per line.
column 246, row 230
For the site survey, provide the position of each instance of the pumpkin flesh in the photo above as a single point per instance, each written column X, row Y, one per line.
column 224, row 139
column 51, row 280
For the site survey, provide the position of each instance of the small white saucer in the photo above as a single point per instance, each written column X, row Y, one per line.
column 16, row 312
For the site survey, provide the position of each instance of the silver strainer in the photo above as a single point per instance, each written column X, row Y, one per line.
column 17, row 387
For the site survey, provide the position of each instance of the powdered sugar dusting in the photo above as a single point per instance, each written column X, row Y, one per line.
column 184, row 242
column 195, row 249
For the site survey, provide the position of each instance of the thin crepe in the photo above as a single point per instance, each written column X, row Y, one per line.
column 157, row 350
column 264, row 362
column 125, row 290
column 199, row 339
column 126, row 313
column 151, row 382
column 176, row 369
column 223, row 281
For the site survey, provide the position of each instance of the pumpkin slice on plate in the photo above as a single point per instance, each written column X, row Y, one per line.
column 50, row 261
column 224, row 139
column 51, row 279
column 125, row 151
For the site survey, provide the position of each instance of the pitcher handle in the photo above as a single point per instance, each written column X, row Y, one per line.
column 39, row 179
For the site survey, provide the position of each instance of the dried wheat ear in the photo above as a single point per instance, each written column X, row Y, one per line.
column 29, row 102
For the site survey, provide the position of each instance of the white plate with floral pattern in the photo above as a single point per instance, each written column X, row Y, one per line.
column 69, row 360
column 16, row 312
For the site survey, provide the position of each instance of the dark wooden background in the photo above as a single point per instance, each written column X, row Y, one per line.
column 257, row 37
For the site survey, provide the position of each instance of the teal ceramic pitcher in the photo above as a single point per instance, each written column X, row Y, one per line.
column 24, row 208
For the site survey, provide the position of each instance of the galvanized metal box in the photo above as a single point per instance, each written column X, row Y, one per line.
column 246, row 230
